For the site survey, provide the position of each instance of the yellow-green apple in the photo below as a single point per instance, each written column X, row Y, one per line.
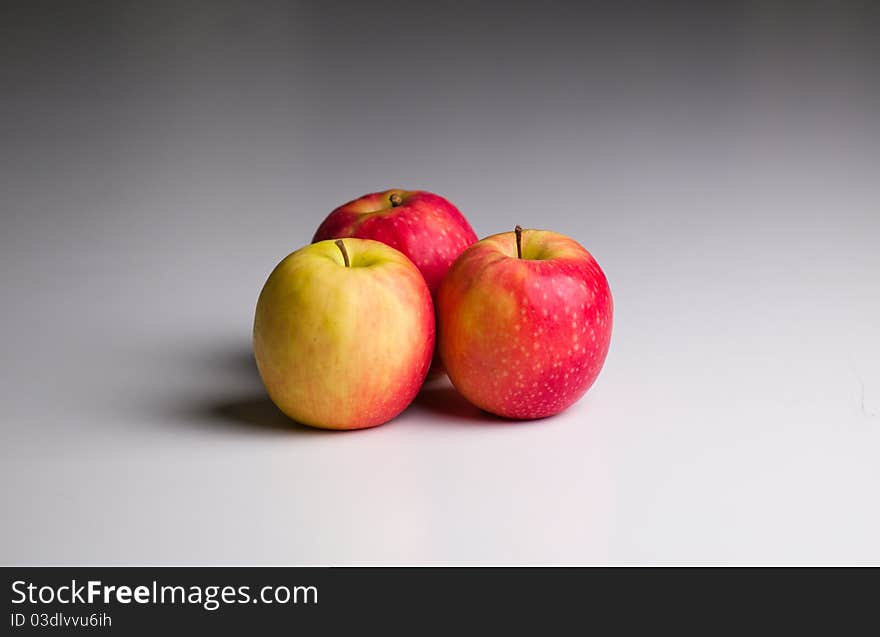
column 344, row 334
column 525, row 323
column 425, row 227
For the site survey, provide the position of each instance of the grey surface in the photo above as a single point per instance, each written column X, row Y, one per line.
column 723, row 166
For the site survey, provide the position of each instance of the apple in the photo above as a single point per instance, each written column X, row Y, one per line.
column 525, row 323
column 344, row 334
column 425, row 227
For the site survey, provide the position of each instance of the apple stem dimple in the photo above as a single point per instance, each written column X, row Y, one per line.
column 518, row 232
column 395, row 200
column 341, row 246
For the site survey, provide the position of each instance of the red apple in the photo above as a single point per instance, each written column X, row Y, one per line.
column 425, row 227
column 524, row 323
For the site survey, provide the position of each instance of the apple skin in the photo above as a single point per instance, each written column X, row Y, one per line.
column 425, row 227
column 344, row 347
column 524, row 338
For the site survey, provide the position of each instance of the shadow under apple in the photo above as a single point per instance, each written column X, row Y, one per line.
column 441, row 398
column 258, row 412
column 247, row 415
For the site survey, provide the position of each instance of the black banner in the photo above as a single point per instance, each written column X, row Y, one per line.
column 147, row 600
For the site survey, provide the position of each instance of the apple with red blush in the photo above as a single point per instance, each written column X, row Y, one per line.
column 427, row 228
column 344, row 334
column 524, row 323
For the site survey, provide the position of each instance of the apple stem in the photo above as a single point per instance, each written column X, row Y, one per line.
column 341, row 246
column 518, row 232
column 395, row 200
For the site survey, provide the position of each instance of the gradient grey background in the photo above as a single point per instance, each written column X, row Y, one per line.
column 722, row 164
